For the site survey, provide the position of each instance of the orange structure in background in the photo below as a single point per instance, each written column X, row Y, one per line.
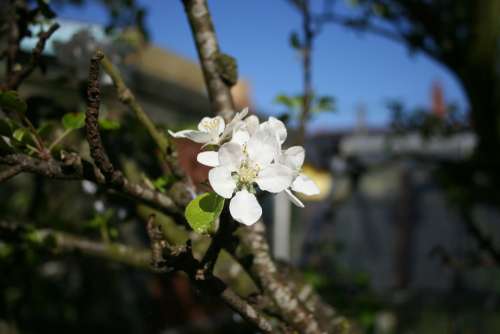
column 438, row 104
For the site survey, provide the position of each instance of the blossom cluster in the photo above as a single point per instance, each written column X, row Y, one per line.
column 244, row 154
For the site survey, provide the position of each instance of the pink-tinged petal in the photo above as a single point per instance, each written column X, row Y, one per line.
column 208, row 158
column 303, row 184
column 294, row 199
column 194, row 135
column 245, row 208
column 221, row 181
column 275, row 178
column 231, row 154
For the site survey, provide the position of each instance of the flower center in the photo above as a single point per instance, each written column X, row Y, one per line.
column 247, row 173
column 211, row 124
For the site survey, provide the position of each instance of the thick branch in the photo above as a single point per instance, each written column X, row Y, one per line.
column 264, row 269
column 209, row 53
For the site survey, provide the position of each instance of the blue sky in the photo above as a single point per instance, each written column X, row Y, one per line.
column 354, row 68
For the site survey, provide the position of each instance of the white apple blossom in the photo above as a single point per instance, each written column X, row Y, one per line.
column 211, row 130
column 248, row 153
column 294, row 159
column 240, row 166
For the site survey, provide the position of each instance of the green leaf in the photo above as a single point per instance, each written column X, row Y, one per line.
column 295, row 40
column 109, row 124
column 10, row 100
column 73, row 120
column 46, row 129
column 284, row 100
column 6, row 145
column 7, row 126
column 325, row 103
column 162, row 182
column 202, row 212
column 19, row 134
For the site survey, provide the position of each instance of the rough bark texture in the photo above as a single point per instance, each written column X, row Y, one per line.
column 209, row 53
column 264, row 268
column 97, row 150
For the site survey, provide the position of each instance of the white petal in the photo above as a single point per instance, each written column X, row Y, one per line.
column 208, row 158
column 221, row 181
column 263, row 147
column 240, row 136
column 277, row 127
column 294, row 199
column 275, row 178
column 194, row 135
column 252, row 124
column 245, row 208
column 237, row 119
column 303, row 184
column 231, row 154
column 293, row 157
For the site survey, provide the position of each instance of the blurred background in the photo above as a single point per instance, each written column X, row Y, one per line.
column 397, row 103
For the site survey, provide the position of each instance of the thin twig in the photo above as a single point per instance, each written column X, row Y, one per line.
column 16, row 78
column 13, row 40
column 158, row 244
column 127, row 97
column 65, row 242
column 97, row 150
column 74, row 167
column 484, row 242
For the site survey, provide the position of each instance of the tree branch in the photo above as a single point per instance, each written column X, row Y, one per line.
column 265, row 271
column 126, row 96
column 10, row 173
column 16, row 78
column 180, row 259
column 73, row 167
column 209, row 54
column 484, row 242
column 97, row 150
column 57, row 241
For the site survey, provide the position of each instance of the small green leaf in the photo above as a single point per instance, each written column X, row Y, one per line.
column 295, row 40
column 202, row 212
column 325, row 103
column 46, row 129
column 109, row 124
column 162, row 182
column 73, row 120
column 7, row 126
column 10, row 100
column 19, row 134
column 284, row 100
column 6, row 145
